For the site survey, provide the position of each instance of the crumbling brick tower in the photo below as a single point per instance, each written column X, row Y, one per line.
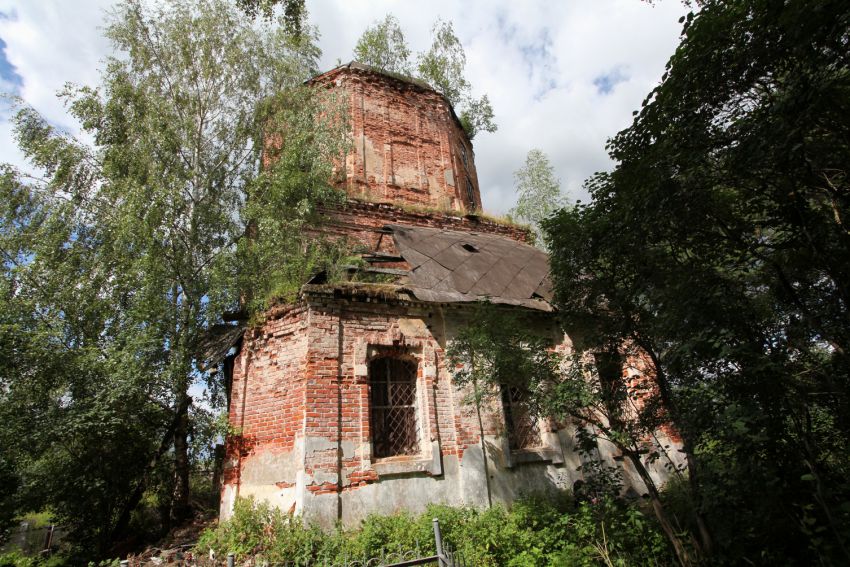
column 342, row 403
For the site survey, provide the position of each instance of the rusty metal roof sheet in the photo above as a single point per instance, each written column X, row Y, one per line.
column 216, row 342
column 448, row 266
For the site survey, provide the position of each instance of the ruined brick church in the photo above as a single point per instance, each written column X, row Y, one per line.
column 342, row 403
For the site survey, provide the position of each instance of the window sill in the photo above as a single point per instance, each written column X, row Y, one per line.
column 390, row 466
column 549, row 452
column 537, row 455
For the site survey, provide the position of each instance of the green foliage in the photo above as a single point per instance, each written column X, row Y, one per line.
column 536, row 531
column 9, row 481
column 444, row 64
column 121, row 253
column 280, row 255
column 495, row 348
column 256, row 529
column 476, row 115
column 539, row 191
column 719, row 247
column 16, row 559
column 443, row 67
column 294, row 12
column 383, row 47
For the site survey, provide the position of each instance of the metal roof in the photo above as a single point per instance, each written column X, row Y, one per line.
column 450, row 266
column 216, row 342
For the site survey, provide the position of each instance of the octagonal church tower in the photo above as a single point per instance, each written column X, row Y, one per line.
column 409, row 146
column 343, row 404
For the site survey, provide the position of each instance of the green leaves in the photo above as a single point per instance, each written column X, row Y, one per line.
column 716, row 246
column 495, row 350
column 443, row 66
column 383, row 47
column 539, row 191
column 117, row 259
column 538, row 530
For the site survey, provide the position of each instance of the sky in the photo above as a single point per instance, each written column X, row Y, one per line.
column 562, row 76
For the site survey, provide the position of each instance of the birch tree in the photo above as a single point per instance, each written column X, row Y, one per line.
column 178, row 181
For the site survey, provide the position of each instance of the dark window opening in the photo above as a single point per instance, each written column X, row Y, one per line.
column 463, row 156
column 470, row 194
column 392, row 393
column 520, row 423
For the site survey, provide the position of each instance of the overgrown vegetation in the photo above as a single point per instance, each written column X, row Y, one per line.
column 442, row 66
column 505, row 220
column 500, row 348
column 208, row 157
column 715, row 256
column 536, row 531
column 719, row 249
column 539, row 192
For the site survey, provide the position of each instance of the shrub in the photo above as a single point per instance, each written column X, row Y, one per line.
column 15, row 558
column 259, row 530
column 535, row 531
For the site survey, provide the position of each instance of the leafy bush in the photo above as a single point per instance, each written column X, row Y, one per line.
column 257, row 529
column 15, row 558
column 535, row 531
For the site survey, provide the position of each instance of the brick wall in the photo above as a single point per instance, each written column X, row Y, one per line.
column 409, row 146
column 268, row 392
column 362, row 223
column 301, row 404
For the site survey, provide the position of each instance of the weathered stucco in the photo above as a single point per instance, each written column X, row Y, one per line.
column 299, row 404
column 316, row 459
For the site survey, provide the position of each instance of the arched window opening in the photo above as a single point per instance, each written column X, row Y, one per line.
column 521, row 425
column 392, row 393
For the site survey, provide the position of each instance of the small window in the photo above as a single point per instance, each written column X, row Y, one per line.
column 522, row 429
column 463, row 156
column 392, row 393
column 470, row 194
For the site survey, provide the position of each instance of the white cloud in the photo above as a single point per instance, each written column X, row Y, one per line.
column 536, row 60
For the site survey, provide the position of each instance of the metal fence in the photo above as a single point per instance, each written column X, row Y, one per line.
column 32, row 540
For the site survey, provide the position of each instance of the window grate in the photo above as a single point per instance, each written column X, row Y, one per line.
column 522, row 427
column 392, row 394
column 470, row 194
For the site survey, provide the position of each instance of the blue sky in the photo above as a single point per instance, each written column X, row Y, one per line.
column 10, row 79
column 8, row 73
column 607, row 82
column 562, row 76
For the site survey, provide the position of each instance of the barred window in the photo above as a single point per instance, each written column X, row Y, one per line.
column 521, row 424
column 470, row 193
column 392, row 393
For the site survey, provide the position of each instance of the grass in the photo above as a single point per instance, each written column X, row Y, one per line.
column 504, row 220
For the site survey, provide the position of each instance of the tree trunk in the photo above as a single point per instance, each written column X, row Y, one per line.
column 180, row 506
column 609, row 365
column 133, row 501
column 665, row 391
column 682, row 554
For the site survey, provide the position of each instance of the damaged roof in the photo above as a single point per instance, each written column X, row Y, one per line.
column 449, row 266
column 216, row 342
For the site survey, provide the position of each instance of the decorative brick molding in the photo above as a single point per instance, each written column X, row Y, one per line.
column 409, row 146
